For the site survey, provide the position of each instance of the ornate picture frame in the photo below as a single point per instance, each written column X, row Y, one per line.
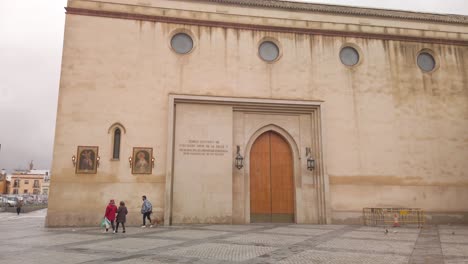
column 142, row 160
column 87, row 160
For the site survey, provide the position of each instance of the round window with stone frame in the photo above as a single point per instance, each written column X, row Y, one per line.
column 269, row 51
column 349, row 56
column 182, row 43
column 426, row 61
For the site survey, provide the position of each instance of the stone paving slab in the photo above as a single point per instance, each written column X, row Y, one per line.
column 267, row 239
column 53, row 240
column 221, row 251
column 144, row 260
column 459, row 250
column 457, row 261
column 44, row 256
column 334, row 227
column 232, row 228
column 391, row 247
column 316, row 256
column 454, row 231
column 382, row 236
column 126, row 245
column 390, row 229
column 454, row 238
column 189, row 234
column 463, row 227
column 298, row 231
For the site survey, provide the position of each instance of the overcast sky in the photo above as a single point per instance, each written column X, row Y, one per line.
column 31, row 37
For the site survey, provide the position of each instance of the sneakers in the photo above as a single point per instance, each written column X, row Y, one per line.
column 114, row 232
column 123, row 231
column 143, row 226
column 151, row 226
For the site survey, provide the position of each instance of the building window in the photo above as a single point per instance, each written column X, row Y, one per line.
column 349, row 56
column 15, row 191
column 116, row 149
column 45, row 192
column 25, row 191
column 26, row 182
column 426, row 62
column 36, row 192
column 36, row 184
column 16, row 183
column 182, row 43
column 268, row 51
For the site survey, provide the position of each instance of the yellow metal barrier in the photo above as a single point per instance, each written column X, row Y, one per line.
column 393, row 216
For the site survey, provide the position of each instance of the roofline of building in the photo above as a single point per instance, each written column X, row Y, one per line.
column 27, row 176
column 345, row 10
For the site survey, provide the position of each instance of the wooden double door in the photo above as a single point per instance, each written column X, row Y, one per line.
column 271, row 180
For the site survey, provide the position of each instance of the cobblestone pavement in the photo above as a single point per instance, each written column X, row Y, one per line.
column 23, row 239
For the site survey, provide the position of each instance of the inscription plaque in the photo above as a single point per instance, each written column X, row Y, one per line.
column 197, row 147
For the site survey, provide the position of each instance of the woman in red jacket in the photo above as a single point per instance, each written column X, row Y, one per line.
column 111, row 210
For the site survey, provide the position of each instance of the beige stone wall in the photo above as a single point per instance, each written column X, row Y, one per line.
column 202, row 181
column 392, row 135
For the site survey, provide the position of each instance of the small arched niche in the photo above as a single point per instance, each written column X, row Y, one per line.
column 117, row 130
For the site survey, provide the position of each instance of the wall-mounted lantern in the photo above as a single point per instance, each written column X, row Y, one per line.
column 310, row 160
column 97, row 161
column 152, row 162
column 239, row 159
column 130, row 161
column 74, row 160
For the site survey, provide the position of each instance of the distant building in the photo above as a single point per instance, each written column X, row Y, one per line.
column 3, row 182
column 46, row 185
column 28, row 182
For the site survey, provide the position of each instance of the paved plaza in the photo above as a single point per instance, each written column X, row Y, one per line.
column 24, row 240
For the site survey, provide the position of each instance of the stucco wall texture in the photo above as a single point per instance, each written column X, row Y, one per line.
column 393, row 135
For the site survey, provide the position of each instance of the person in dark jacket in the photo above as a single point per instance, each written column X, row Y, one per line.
column 19, row 204
column 121, row 217
column 111, row 210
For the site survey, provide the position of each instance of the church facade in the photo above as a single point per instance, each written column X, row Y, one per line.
column 241, row 111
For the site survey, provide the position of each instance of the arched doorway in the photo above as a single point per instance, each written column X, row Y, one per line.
column 271, row 180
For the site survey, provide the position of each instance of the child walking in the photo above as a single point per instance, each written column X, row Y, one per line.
column 111, row 209
column 121, row 217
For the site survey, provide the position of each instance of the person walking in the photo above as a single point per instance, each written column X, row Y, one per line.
column 121, row 217
column 146, row 210
column 19, row 204
column 111, row 210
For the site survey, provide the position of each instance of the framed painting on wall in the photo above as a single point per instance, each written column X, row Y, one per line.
column 87, row 160
column 142, row 159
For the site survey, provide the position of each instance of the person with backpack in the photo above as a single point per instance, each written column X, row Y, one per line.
column 146, row 210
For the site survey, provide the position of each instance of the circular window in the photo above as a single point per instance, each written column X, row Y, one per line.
column 349, row 56
column 426, row 62
column 182, row 43
column 268, row 51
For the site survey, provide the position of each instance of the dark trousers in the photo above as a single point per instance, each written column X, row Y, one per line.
column 18, row 210
column 112, row 224
column 117, row 227
column 146, row 215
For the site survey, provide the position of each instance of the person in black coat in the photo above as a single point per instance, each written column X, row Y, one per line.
column 121, row 216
